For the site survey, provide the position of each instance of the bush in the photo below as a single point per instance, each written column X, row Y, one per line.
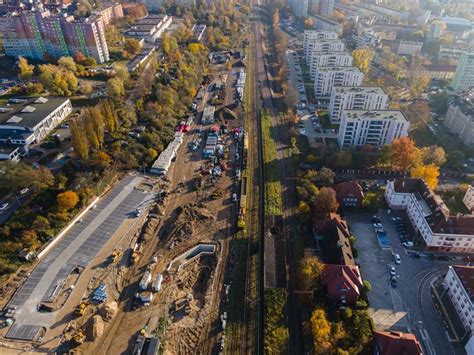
column 367, row 286
column 361, row 304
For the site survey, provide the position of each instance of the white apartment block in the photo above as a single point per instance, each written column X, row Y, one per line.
column 375, row 128
column 333, row 59
column 409, row 47
column 460, row 116
column 464, row 77
column 469, row 198
column 430, row 217
column 325, row 78
column 356, row 98
column 459, row 284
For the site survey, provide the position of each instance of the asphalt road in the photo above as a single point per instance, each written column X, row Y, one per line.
column 14, row 203
column 408, row 307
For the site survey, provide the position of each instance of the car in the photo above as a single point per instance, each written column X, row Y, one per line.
column 24, row 191
column 4, row 206
column 375, row 219
column 407, row 244
column 380, row 231
column 393, row 281
column 397, row 259
column 391, row 270
column 415, row 255
column 234, row 197
column 94, row 207
column 377, row 225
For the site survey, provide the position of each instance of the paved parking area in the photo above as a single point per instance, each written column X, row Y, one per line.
column 80, row 245
column 408, row 307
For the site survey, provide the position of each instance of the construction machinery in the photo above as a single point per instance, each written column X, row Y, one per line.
column 80, row 308
column 136, row 253
column 115, row 256
column 79, row 337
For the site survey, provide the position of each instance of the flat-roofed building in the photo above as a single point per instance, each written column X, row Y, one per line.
column 356, row 98
column 332, row 59
column 24, row 122
column 150, row 28
column 409, row 48
column 374, row 128
column 325, row 78
column 464, row 77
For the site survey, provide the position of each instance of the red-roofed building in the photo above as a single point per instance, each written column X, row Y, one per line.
column 349, row 194
column 459, row 284
column 343, row 283
column 396, row 343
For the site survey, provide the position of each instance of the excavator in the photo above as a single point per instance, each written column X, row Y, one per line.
column 79, row 337
column 80, row 308
column 115, row 256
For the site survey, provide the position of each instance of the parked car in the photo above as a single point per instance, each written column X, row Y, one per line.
column 407, row 244
column 375, row 219
column 393, row 281
column 24, row 191
column 377, row 225
column 397, row 259
column 391, row 270
column 4, row 206
column 414, row 255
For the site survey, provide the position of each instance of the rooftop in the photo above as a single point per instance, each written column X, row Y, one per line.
column 396, row 343
column 465, row 102
column 376, row 115
column 345, row 69
column 28, row 112
column 359, row 89
column 466, row 275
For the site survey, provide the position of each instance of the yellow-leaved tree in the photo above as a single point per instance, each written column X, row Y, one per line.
column 429, row 173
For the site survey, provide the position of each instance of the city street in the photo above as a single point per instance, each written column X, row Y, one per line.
column 407, row 307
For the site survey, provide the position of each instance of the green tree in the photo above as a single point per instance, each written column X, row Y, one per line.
column 132, row 46
column 79, row 140
column 16, row 176
column 58, row 81
column 26, row 70
column 310, row 271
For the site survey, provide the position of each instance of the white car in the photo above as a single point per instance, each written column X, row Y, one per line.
column 377, row 225
column 397, row 258
column 24, row 191
column 4, row 206
column 407, row 244
column 391, row 270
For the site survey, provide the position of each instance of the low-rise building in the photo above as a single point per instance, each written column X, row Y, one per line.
column 430, row 217
column 150, row 28
column 409, row 48
column 325, row 78
column 349, row 194
column 343, row 283
column 438, row 72
column 468, row 199
column 24, row 122
column 332, row 59
column 374, row 128
column 460, row 116
column 459, row 284
column 356, row 98
column 396, row 343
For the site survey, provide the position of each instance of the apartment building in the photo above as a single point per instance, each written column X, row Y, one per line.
column 356, row 98
column 460, row 116
column 325, row 78
column 459, row 284
column 468, row 198
column 375, row 128
column 110, row 14
column 39, row 34
column 300, row 7
column 409, row 48
column 333, row 59
column 464, row 77
column 311, row 37
column 430, row 217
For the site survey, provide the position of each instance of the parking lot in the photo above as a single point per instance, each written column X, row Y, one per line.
column 406, row 305
column 79, row 246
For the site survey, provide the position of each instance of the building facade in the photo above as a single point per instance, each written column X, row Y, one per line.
column 468, row 198
column 333, row 59
column 312, row 37
column 325, row 78
column 460, row 116
column 459, row 284
column 464, row 77
column 430, row 217
column 39, row 34
column 300, row 7
column 375, row 128
column 149, row 28
column 356, row 98
column 110, row 14
column 409, row 48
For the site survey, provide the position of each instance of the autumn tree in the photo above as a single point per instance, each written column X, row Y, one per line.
column 79, row 58
column 433, row 154
column 79, row 139
column 132, row 46
column 121, row 71
column 26, row 70
column 362, row 58
column 310, row 270
column 67, row 63
column 321, row 331
column 325, row 201
column 109, row 113
column 324, row 177
column 429, row 173
column 16, row 176
column 57, row 80
column 418, row 83
column 403, row 154
column 291, row 97
column 67, row 200
column 115, row 87
column 85, row 88
column 308, row 23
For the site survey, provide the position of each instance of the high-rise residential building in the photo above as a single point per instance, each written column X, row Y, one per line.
column 110, row 14
column 356, row 98
column 300, row 7
column 374, row 128
column 40, row 34
column 325, row 78
column 464, row 76
column 460, row 116
column 333, row 59
column 328, row 43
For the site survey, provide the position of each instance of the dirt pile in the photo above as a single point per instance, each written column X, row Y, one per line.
column 109, row 310
column 96, row 327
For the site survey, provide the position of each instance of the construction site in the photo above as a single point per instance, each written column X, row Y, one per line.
column 152, row 274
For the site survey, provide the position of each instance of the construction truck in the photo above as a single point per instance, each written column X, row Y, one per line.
column 115, row 256
column 80, row 308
